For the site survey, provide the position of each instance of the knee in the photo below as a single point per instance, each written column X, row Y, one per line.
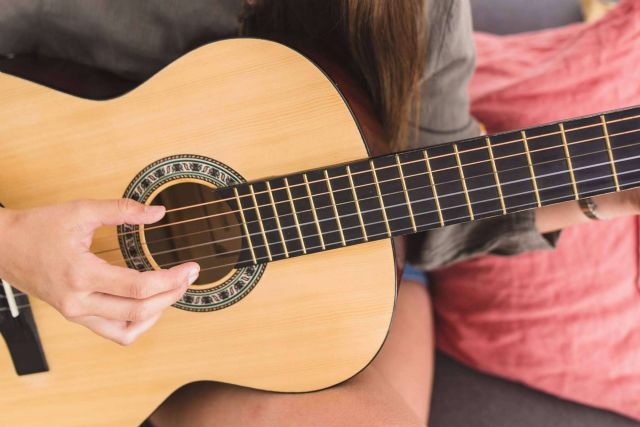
column 346, row 405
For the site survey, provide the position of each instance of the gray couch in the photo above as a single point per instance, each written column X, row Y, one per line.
column 516, row 16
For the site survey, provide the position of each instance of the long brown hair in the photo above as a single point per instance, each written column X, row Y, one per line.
column 381, row 41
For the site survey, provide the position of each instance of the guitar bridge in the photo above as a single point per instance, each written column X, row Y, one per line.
column 18, row 328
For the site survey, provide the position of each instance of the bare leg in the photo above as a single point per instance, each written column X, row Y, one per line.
column 393, row 391
column 406, row 360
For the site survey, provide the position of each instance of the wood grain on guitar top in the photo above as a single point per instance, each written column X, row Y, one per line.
column 262, row 109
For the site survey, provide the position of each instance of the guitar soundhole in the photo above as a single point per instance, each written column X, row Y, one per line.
column 198, row 227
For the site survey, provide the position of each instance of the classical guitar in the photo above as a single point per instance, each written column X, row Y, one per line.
column 261, row 158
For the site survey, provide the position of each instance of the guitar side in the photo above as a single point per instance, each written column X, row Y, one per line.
column 262, row 109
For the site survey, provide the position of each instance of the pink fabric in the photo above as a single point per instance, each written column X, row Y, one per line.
column 564, row 321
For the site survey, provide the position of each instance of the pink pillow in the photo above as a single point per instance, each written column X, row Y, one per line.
column 534, row 78
column 564, row 321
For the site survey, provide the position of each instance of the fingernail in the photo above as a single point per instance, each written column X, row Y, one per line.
column 193, row 275
column 153, row 210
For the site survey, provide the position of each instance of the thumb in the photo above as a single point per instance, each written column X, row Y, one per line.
column 124, row 211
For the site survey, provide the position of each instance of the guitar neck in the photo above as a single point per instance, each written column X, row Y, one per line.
column 418, row 190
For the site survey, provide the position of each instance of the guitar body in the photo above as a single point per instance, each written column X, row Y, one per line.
column 257, row 107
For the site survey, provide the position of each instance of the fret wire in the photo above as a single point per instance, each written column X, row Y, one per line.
column 358, row 209
column 295, row 215
column 244, row 224
column 513, row 195
column 335, row 207
column 612, row 159
column 569, row 163
column 433, row 187
column 523, row 206
column 260, row 224
column 534, row 180
column 463, row 182
column 384, row 211
column 517, row 194
column 313, row 211
column 406, row 193
column 497, row 158
column 276, row 216
column 453, row 207
column 503, row 205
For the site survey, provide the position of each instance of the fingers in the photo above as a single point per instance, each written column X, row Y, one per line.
column 121, row 332
column 122, row 211
column 117, row 293
column 128, row 309
column 127, row 283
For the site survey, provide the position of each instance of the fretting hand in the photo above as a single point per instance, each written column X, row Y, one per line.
column 45, row 252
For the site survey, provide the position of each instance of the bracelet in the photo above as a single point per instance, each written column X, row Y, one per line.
column 589, row 208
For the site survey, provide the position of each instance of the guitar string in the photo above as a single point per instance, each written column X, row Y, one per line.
column 225, row 254
column 467, row 179
column 384, row 234
column 527, row 205
column 530, row 138
column 528, row 179
column 15, row 294
column 448, row 195
column 370, row 171
column 357, row 240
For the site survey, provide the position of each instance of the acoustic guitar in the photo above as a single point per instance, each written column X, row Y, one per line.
column 261, row 157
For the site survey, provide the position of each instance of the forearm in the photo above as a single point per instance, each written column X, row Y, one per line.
column 556, row 217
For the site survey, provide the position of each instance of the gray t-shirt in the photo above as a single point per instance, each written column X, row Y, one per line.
column 134, row 39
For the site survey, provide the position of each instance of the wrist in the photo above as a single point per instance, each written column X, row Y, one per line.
column 615, row 205
column 7, row 219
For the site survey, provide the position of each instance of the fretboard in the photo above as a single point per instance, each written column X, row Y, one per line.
column 418, row 190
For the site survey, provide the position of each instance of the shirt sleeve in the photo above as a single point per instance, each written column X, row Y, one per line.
column 445, row 116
